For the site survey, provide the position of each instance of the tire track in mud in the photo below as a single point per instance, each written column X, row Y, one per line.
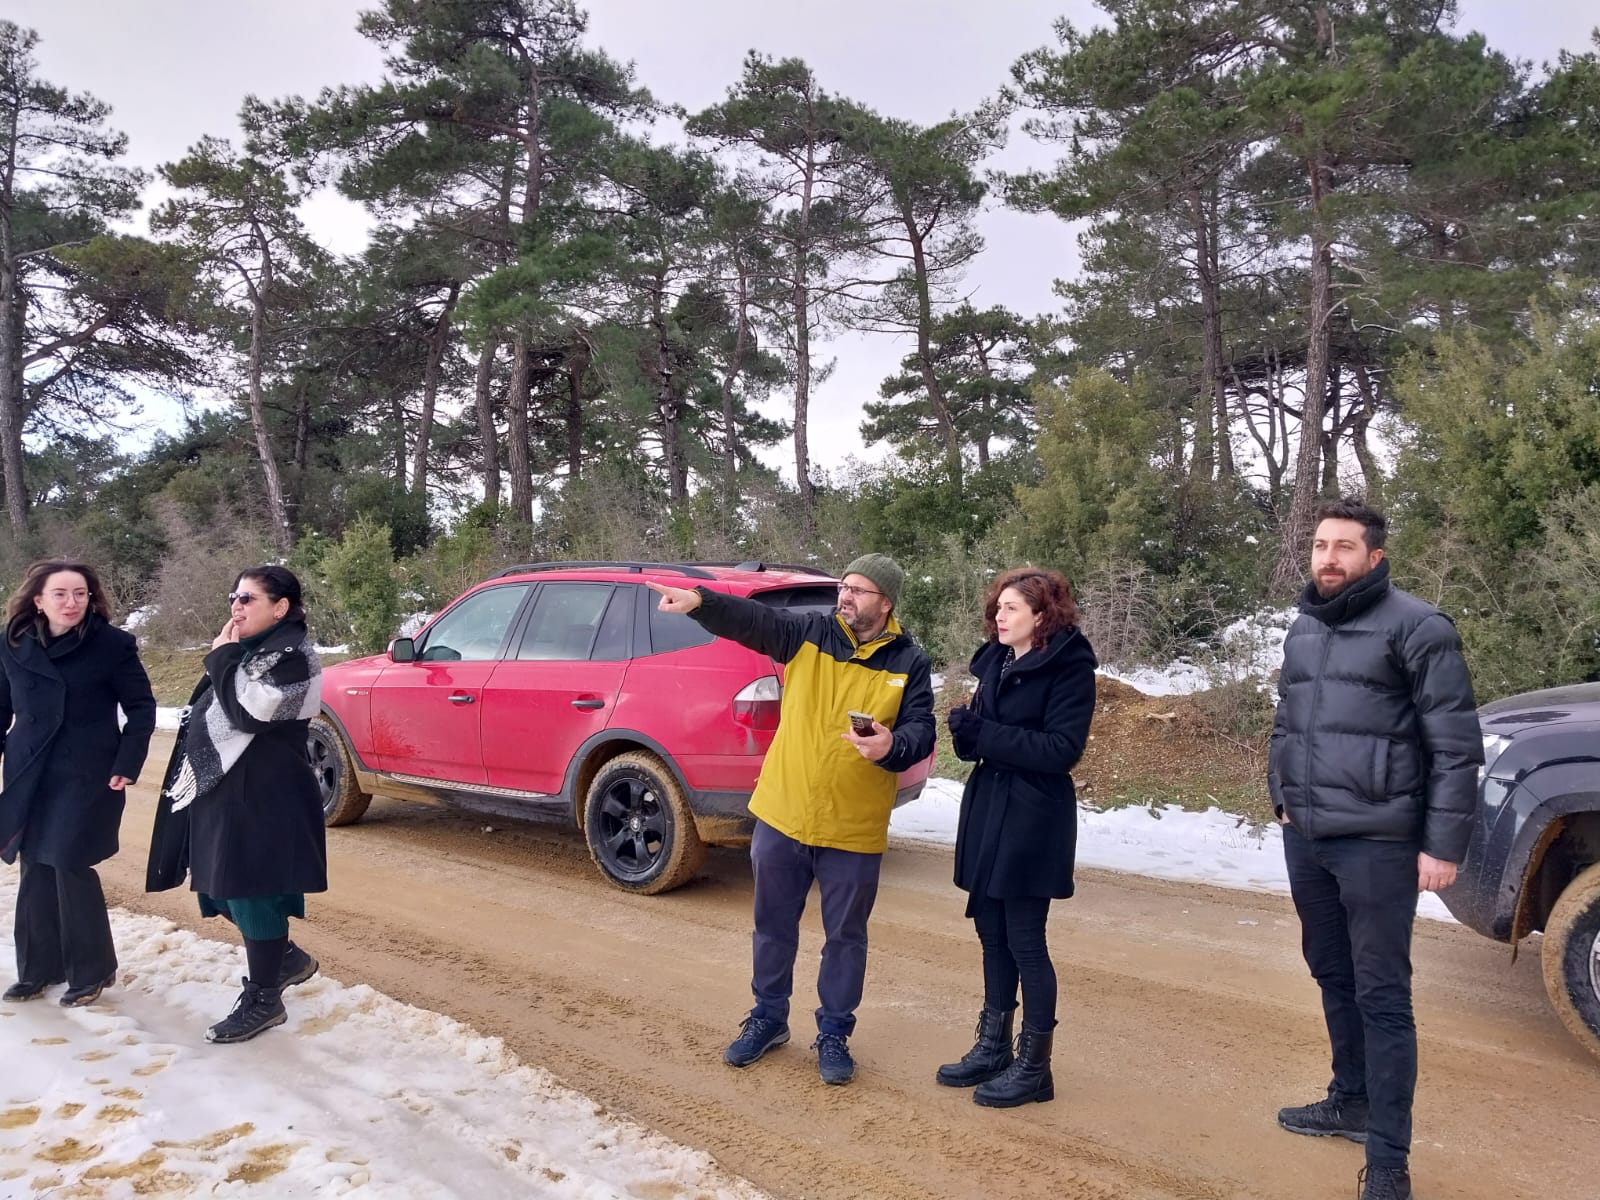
column 1187, row 1020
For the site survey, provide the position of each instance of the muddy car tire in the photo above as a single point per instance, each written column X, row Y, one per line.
column 640, row 831
column 1571, row 958
column 343, row 801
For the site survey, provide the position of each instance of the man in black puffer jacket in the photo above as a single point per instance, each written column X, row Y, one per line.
column 1373, row 772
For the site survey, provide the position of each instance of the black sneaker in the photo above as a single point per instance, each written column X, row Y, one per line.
column 77, row 997
column 1327, row 1118
column 757, row 1035
column 834, row 1063
column 257, row 1010
column 1384, row 1183
column 298, row 966
column 23, row 989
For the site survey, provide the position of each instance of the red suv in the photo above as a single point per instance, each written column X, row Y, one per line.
column 561, row 690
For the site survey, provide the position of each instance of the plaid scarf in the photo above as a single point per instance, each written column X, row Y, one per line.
column 280, row 681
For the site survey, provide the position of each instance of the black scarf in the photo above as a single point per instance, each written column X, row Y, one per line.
column 1350, row 601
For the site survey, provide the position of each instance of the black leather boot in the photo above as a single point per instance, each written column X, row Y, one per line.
column 257, row 1010
column 1027, row 1079
column 988, row 1057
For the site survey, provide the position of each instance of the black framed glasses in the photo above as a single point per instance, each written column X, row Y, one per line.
column 850, row 589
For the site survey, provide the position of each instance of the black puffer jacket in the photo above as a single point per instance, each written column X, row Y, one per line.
column 1376, row 734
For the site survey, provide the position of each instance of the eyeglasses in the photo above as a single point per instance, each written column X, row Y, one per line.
column 56, row 596
column 245, row 598
column 850, row 589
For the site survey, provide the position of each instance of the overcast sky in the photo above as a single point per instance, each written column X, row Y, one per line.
column 174, row 70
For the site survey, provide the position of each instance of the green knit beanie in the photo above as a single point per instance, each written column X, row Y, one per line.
column 883, row 571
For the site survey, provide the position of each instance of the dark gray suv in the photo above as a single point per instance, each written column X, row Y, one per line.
column 1534, row 861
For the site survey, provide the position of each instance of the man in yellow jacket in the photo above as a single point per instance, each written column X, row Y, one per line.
column 823, row 801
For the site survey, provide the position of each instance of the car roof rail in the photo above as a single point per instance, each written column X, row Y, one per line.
column 753, row 564
column 689, row 569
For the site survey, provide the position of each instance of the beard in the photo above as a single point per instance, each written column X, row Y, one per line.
column 860, row 624
column 1330, row 586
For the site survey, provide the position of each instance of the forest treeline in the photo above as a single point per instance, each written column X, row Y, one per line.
column 1345, row 217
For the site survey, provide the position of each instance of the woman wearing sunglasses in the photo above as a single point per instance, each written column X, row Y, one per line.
column 68, row 762
column 240, row 810
column 1025, row 727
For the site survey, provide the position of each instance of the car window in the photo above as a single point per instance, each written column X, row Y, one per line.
column 611, row 645
column 811, row 597
column 473, row 630
column 566, row 619
column 674, row 631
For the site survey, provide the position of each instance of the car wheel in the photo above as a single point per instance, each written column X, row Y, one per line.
column 1571, row 958
column 343, row 802
column 641, row 833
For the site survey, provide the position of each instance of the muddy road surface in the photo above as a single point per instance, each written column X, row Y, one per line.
column 1187, row 1020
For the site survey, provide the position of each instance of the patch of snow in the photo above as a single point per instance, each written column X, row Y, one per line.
column 357, row 1095
column 139, row 618
column 1211, row 847
column 412, row 624
column 343, row 648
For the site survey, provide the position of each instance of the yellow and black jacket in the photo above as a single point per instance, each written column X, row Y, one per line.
column 815, row 786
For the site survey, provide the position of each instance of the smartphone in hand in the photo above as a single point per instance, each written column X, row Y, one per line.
column 861, row 722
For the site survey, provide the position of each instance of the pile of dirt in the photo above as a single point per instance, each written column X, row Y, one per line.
column 1168, row 749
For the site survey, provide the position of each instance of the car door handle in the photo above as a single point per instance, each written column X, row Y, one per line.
column 588, row 704
column 461, row 698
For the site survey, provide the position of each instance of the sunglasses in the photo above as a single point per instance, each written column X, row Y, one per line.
column 246, row 598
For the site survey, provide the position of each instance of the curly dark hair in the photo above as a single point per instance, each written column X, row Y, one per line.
column 1374, row 526
column 1047, row 593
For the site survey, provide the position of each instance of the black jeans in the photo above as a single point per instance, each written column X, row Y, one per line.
column 1357, row 900
column 848, row 881
column 1012, row 934
column 62, row 928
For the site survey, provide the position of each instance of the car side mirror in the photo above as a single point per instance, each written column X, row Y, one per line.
column 402, row 650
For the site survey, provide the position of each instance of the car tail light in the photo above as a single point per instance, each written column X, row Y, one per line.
column 757, row 703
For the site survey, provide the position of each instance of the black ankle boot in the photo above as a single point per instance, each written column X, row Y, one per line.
column 257, row 1010
column 988, row 1057
column 1027, row 1079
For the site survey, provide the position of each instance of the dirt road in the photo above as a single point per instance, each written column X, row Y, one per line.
column 1187, row 1020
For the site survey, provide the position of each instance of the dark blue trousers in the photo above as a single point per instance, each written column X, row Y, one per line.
column 62, row 928
column 848, row 882
column 1357, row 900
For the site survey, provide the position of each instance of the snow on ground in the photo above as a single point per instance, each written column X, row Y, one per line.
column 1250, row 648
column 358, row 1095
column 1212, row 847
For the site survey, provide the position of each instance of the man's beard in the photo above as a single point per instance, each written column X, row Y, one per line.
column 860, row 624
column 1328, row 592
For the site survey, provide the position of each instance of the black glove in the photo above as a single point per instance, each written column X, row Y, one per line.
column 964, row 727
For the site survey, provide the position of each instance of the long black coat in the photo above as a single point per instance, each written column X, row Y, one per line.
column 1018, row 832
column 259, row 832
column 56, row 807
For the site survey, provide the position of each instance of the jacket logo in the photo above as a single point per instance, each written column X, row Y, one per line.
column 899, row 683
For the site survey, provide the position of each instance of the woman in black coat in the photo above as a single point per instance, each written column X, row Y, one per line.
column 240, row 810
column 1025, row 728
column 66, row 669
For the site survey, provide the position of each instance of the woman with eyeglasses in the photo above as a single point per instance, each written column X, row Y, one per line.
column 1025, row 727
column 240, row 810
column 68, row 762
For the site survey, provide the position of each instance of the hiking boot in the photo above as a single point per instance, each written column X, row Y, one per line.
column 298, row 966
column 77, row 997
column 834, row 1063
column 1332, row 1117
column 757, row 1035
column 257, row 1010
column 22, row 990
column 1028, row 1079
column 990, row 1054
column 1384, row 1183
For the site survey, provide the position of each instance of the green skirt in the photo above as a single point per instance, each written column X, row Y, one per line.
column 259, row 918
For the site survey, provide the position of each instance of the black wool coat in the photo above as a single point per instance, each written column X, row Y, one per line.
column 259, row 832
column 1018, row 830
column 56, row 805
